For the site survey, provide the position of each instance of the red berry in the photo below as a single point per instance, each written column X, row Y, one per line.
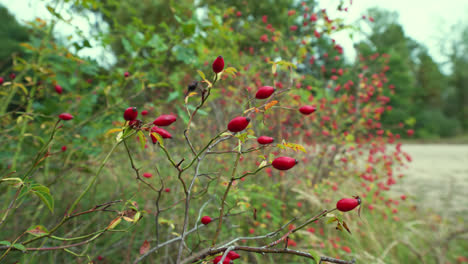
column 162, row 132
column 58, row 89
column 265, row 140
column 64, row 148
column 167, row 190
column 233, row 255
column 218, row 259
column 410, row 132
column 238, row 124
column 347, row 204
column 130, row 113
column 144, row 112
column 347, row 249
column 126, row 74
column 307, row 109
column 1, row 80
column 147, row 175
column 65, row 116
column 284, row 163
column 12, row 75
column 206, row 220
column 165, row 120
column 264, row 92
column 218, row 64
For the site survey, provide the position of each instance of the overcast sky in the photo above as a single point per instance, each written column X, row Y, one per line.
column 427, row 21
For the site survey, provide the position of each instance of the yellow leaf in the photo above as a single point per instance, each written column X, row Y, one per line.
column 114, row 223
column 270, row 104
column 158, row 138
column 248, row 110
column 189, row 95
column 27, row 46
column 113, row 130
column 20, row 85
column 263, row 164
column 128, row 219
column 202, row 75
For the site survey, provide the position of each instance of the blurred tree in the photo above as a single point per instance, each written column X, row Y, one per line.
column 420, row 85
column 457, row 101
column 11, row 34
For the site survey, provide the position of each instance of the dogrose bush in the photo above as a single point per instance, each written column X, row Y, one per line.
column 210, row 140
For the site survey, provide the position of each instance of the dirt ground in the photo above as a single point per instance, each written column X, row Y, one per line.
column 437, row 177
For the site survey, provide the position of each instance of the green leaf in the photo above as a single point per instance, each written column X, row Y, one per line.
column 127, row 46
column 316, row 256
column 142, row 139
column 44, row 194
column 200, row 111
column 6, row 243
column 157, row 43
column 172, row 96
column 20, row 247
column 12, row 179
column 202, row 75
column 230, row 70
column 37, row 230
column 183, row 115
column 185, row 54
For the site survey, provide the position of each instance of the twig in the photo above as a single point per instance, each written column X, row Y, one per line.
column 262, row 250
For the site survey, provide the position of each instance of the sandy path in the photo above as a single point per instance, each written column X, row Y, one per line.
column 437, row 177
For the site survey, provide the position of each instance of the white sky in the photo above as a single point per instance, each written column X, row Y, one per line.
column 427, row 21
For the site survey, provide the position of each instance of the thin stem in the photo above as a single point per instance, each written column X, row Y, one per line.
column 223, row 201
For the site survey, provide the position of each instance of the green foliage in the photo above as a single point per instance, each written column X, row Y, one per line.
column 11, row 34
column 106, row 205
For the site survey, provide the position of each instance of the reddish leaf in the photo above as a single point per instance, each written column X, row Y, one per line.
column 38, row 231
column 145, row 247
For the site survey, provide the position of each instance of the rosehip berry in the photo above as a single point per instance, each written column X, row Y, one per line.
column 307, row 109
column 233, row 255
column 347, row 204
column 147, row 175
column 167, row 190
column 263, row 140
column 218, row 64
column 64, row 148
column 162, row 132
column 130, row 113
column 165, row 120
column 410, row 132
column 58, row 89
column 144, row 112
column 206, row 220
column 65, row 116
column 12, row 75
column 126, row 74
column 238, row 124
column 218, row 259
column 284, row 163
column 264, row 92
column 1, row 80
